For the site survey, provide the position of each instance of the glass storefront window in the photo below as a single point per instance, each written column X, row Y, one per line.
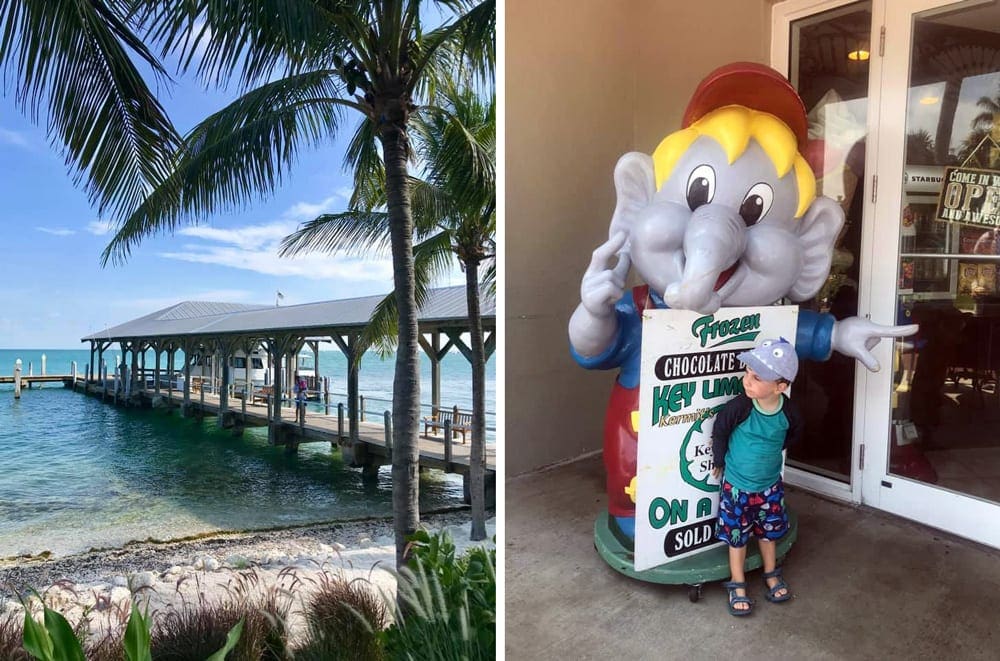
column 946, row 400
column 828, row 66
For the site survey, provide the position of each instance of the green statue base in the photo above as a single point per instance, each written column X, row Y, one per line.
column 693, row 571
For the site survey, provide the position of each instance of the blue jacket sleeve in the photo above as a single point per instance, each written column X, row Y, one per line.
column 814, row 337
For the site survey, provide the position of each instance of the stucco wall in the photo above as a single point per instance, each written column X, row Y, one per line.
column 586, row 81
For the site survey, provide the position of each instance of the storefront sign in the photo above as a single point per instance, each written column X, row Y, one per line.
column 970, row 196
column 689, row 371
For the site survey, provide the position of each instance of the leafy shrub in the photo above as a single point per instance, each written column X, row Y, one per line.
column 344, row 620
column 446, row 606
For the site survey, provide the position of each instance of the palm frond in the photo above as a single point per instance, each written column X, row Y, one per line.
column 382, row 329
column 241, row 152
column 71, row 58
column 431, row 258
column 429, row 206
column 257, row 39
column 458, row 142
column 463, row 50
column 489, row 280
column 362, row 156
column 352, row 232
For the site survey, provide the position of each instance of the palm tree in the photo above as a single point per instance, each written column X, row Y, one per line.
column 988, row 117
column 454, row 210
column 920, row 148
column 303, row 64
column 71, row 58
column 985, row 125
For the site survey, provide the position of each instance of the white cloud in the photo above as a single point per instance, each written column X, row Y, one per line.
column 255, row 248
column 99, row 227
column 56, row 231
column 252, row 237
column 304, row 211
column 314, row 266
column 9, row 137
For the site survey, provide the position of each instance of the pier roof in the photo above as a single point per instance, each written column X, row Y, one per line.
column 445, row 308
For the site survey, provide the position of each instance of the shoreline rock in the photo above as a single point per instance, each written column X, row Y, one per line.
column 99, row 584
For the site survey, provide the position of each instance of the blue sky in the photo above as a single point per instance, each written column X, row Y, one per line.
column 55, row 291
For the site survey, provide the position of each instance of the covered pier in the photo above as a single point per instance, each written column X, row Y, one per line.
column 221, row 330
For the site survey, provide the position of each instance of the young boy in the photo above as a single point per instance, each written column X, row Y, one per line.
column 747, row 441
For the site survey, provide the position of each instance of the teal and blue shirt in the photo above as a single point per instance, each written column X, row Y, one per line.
column 747, row 442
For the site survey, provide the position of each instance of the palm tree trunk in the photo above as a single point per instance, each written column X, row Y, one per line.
column 477, row 455
column 406, row 382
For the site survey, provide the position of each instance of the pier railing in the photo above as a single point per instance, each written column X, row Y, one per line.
column 321, row 400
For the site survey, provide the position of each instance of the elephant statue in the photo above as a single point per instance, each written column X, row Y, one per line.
column 723, row 213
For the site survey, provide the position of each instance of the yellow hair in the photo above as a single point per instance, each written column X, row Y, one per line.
column 733, row 127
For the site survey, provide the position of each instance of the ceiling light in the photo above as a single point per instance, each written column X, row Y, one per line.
column 859, row 55
column 929, row 100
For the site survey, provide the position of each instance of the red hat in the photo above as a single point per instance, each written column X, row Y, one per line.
column 755, row 86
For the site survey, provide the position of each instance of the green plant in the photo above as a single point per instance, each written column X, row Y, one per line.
column 344, row 620
column 447, row 605
column 53, row 641
column 137, row 636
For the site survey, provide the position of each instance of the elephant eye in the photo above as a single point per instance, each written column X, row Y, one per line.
column 756, row 204
column 701, row 186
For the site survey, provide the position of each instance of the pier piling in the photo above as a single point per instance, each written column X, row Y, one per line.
column 17, row 379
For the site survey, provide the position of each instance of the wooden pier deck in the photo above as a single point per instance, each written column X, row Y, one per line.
column 435, row 451
column 37, row 378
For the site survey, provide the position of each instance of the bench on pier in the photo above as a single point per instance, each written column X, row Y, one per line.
column 197, row 383
column 260, row 395
column 461, row 421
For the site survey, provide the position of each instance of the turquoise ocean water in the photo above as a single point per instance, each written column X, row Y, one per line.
column 77, row 474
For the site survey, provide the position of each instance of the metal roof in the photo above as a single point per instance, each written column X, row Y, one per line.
column 444, row 307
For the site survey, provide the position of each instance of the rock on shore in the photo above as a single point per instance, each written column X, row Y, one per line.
column 173, row 574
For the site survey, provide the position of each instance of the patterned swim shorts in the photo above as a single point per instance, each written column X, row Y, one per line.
column 743, row 514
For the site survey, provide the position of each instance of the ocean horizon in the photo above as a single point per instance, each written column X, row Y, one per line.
column 81, row 474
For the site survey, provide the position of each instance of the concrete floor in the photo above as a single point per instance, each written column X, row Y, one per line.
column 867, row 585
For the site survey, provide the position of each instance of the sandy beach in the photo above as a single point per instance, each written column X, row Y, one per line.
column 172, row 574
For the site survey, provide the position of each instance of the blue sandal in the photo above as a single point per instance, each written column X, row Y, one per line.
column 734, row 598
column 780, row 585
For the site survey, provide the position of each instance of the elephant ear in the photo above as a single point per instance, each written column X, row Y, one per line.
column 635, row 185
column 818, row 229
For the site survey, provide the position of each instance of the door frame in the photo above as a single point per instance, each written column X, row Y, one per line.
column 955, row 512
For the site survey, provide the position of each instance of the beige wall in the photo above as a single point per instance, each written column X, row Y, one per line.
column 586, row 81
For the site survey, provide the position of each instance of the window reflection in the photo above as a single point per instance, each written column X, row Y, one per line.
column 946, row 400
column 834, row 88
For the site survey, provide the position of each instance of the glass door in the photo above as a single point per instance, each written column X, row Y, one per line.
column 932, row 416
column 825, row 50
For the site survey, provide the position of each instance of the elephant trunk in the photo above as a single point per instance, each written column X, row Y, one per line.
column 713, row 242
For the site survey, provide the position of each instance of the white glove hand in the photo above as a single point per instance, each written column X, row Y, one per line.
column 603, row 284
column 856, row 337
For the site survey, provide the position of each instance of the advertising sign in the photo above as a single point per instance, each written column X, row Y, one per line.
column 970, row 196
column 689, row 371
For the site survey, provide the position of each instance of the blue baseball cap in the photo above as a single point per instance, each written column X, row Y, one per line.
column 772, row 360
